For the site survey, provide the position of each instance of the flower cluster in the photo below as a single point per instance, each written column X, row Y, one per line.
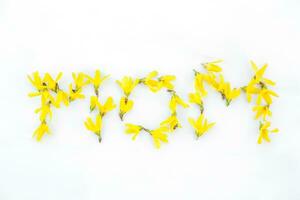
column 155, row 83
column 51, row 95
column 127, row 84
column 95, row 105
column 159, row 135
column 214, row 78
column 259, row 86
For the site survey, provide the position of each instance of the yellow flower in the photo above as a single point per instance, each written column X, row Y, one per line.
column 40, row 131
column 133, row 129
column 231, row 94
column 159, row 135
column 103, row 109
column 94, row 127
column 210, row 78
column 199, row 83
column 172, row 122
column 200, row 125
column 196, row 99
column 51, row 83
column 45, row 95
column 259, row 73
column 107, row 106
column 62, row 97
column 227, row 93
column 263, row 111
column 80, row 80
column 176, row 100
column 153, row 85
column 250, row 90
column 125, row 106
column 75, row 93
column 93, row 103
column 128, row 84
column 266, row 94
column 264, row 132
column 36, row 81
column 44, row 111
column 258, row 85
column 166, row 81
column 213, row 66
column 97, row 80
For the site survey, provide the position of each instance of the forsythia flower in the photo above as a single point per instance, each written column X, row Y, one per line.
column 258, row 77
column 40, row 131
column 211, row 80
column 159, row 135
column 263, row 111
column 45, row 96
column 97, row 80
column 227, row 93
column 133, row 129
column 200, row 125
column 125, row 106
column 153, row 85
column 107, row 106
column 172, row 122
column 128, row 84
column 36, row 81
column 250, row 90
column 94, row 127
column 80, row 80
column 213, row 66
column 62, row 97
column 51, row 83
column 196, row 99
column 266, row 95
column 75, row 93
column 199, row 83
column 176, row 100
column 258, row 83
column 231, row 94
column 44, row 111
column 166, row 81
column 93, row 103
column 264, row 132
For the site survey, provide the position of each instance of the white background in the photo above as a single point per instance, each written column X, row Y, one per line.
column 132, row 38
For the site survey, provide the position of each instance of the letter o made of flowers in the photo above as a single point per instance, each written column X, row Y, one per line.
column 155, row 83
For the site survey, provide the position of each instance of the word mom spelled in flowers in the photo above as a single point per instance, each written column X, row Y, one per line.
column 51, row 95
